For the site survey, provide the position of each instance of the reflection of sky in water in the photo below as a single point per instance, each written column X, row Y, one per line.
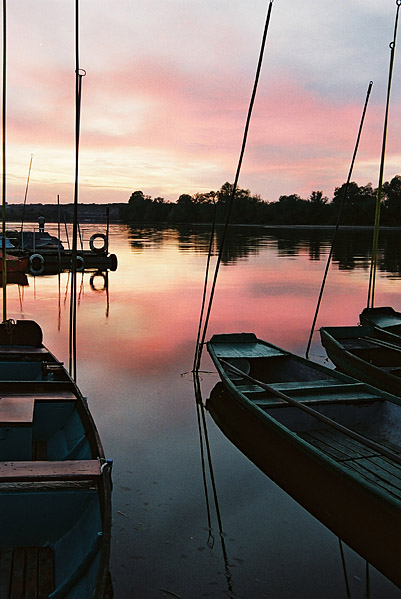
column 133, row 363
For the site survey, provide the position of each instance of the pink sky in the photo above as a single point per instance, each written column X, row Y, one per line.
column 167, row 91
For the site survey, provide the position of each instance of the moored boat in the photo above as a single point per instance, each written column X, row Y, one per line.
column 55, row 483
column 369, row 354
column 15, row 264
column 383, row 317
column 329, row 441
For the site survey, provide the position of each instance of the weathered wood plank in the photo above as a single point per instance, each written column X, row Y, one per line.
column 6, row 562
column 375, row 474
column 336, row 445
column 247, row 350
column 374, row 468
column 31, row 573
column 333, row 446
column 49, row 470
column 16, row 411
column 270, row 401
column 17, row 574
column 45, row 572
column 347, row 445
column 324, row 446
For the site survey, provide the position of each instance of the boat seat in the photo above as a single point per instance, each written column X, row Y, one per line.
column 327, row 385
column 16, row 410
column 22, row 349
column 26, row 572
column 32, row 471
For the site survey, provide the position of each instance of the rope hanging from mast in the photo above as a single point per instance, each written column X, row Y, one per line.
column 200, row 344
column 373, row 266
column 343, row 198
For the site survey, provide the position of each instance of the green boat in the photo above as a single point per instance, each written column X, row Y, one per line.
column 383, row 317
column 369, row 354
column 55, row 483
column 331, row 442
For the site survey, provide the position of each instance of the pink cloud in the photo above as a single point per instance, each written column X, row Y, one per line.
column 298, row 140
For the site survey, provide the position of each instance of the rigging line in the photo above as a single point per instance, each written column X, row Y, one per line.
column 373, row 266
column 209, row 255
column 234, row 187
column 198, row 399
column 200, row 404
column 344, row 565
column 3, row 151
column 343, row 198
column 367, row 581
column 25, row 197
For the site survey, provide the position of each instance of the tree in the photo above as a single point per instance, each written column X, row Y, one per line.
column 317, row 198
column 359, row 204
column 392, row 201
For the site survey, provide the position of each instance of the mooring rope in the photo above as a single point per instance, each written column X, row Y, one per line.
column 343, row 198
column 200, row 344
column 344, row 565
column 209, row 256
column 205, row 445
column 373, row 266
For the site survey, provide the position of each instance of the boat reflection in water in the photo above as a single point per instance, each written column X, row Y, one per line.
column 15, row 278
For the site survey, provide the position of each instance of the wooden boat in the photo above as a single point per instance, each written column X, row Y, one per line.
column 383, row 317
column 369, row 354
column 331, row 442
column 15, row 264
column 55, row 483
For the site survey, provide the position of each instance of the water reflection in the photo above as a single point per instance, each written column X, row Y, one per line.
column 209, row 484
column 352, row 249
column 130, row 361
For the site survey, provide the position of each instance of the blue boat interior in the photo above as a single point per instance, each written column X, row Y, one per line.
column 56, row 433
column 21, row 371
column 64, row 520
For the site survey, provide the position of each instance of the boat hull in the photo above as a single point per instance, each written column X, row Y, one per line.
column 306, row 460
column 54, row 479
column 383, row 317
column 360, row 518
column 361, row 353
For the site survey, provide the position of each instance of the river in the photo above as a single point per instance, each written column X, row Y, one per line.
column 136, row 339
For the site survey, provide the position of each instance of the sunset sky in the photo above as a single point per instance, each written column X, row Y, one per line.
column 167, row 91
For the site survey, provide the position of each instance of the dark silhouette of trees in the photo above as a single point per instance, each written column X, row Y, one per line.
column 392, row 200
column 247, row 208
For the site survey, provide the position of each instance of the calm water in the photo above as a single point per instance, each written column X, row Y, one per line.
column 135, row 352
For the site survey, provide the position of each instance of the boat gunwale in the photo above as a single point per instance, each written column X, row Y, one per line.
column 367, row 368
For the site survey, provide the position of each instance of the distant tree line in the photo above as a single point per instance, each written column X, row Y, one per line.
column 358, row 207
column 64, row 213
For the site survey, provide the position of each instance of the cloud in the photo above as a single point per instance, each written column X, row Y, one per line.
column 167, row 91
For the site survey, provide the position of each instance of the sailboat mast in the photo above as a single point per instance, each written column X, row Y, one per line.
column 73, row 303
column 3, row 152
column 373, row 267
